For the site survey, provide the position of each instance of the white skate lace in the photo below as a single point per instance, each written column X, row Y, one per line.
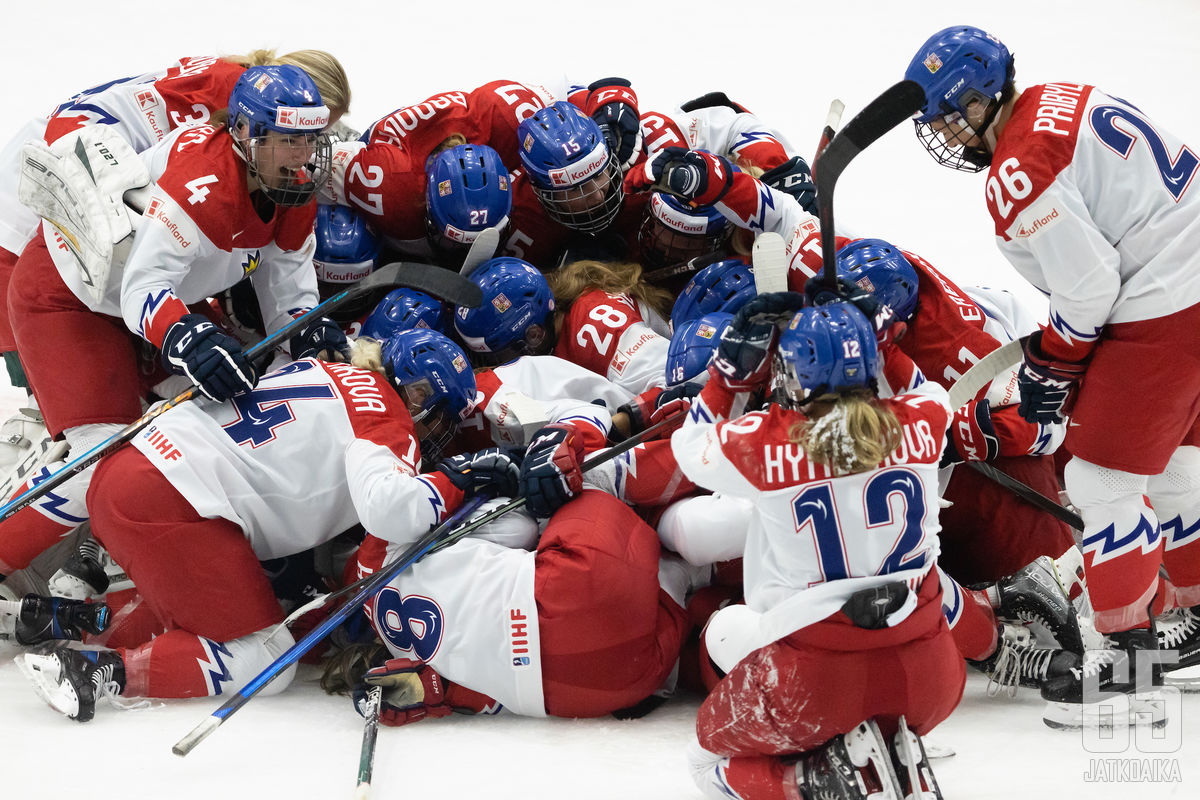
column 1175, row 631
column 108, row 689
column 1017, row 658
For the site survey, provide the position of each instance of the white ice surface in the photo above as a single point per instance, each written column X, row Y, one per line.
column 784, row 60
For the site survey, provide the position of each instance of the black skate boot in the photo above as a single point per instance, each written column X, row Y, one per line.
column 1111, row 687
column 83, row 575
column 71, row 681
column 1017, row 660
column 853, row 766
column 1034, row 594
column 912, row 766
column 1180, row 631
column 45, row 618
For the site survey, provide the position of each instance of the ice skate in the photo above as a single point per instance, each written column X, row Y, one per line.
column 1113, row 687
column 1018, row 661
column 854, row 766
column 1034, row 594
column 912, row 766
column 72, row 681
column 42, row 619
column 18, row 436
column 83, row 576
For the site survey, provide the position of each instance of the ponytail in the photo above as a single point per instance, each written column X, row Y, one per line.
column 852, row 433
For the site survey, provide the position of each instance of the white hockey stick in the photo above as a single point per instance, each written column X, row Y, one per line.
column 483, row 248
column 770, row 263
column 984, row 370
column 832, row 121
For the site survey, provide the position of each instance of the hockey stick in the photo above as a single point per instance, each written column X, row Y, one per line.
column 882, row 114
column 435, row 539
column 366, row 757
column 691, row 265
column 965, row 389
column 832, row 120
column 431, row 280
column 770, row 263
column 483, row 248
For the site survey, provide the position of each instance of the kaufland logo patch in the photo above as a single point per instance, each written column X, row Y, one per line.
column 303, row 119
column 581, row 170
column 674, row 218
column 152, row 209
column 932, row 62
column 147, row 99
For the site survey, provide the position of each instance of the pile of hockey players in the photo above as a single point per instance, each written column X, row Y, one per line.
column 802, row 534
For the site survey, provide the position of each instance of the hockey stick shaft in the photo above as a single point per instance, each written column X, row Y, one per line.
column 366, row 756
column 1029, row 494
column 418, row 276
column 440, row 536
column 896, row 104
column 832, row 120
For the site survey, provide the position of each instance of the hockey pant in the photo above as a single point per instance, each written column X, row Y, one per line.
column 220, row 611
column 37, row 527
column 1132, row 525
column 797, row 693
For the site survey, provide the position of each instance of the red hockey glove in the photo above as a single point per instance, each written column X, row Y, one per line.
column 693, row 175
column 613, row 105
column 654, row 405
column 972, row 436
column 1048, row 387
column 550, row 474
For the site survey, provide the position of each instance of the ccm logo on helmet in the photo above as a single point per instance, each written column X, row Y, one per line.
column 302, row 119
column 580, row 170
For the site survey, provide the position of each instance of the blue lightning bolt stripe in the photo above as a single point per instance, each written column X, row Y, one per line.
column 218, row 671
column 150, row 307
column 52, row 504
column 765, row 201
column 952, row 612
column 1176, row 534
column 596, row 421
column 1070, row 334
column 435, row 498
column 751, row 137
column 1042, row 442
column 1106, row 543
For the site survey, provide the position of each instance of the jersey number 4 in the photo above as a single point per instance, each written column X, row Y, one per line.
column 262, row 410
column 816, row 510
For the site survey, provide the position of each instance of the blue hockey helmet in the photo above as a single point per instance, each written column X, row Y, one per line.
column 403, row 309
column 514, row 317
column 466, row 191
column 435, row 379
column 571, row 171
column 346, row 251
column 827, row 349
column 881, row 269
column 721, row 286
column 967, row 75
column 693, row 345
column 277, row 118
column 672, row 233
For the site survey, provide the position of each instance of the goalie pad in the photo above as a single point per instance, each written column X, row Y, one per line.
column 78, row 185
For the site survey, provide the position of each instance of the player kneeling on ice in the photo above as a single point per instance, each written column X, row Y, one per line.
column 314, row 449
column 841, row 656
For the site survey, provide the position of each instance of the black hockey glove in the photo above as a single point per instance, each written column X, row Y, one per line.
column 212, row 360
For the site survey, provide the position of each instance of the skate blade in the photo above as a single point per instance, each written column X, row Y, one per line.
column 1115, row 711
column 1186, row 680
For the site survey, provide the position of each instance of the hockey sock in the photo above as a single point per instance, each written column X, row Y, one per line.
column 970, row 617
column 757, row 777
column 182, row 664
column 648, row 475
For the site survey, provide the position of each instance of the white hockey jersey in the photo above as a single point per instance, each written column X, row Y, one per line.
column 199, row 235
column 314, row 449
column 1092, row 205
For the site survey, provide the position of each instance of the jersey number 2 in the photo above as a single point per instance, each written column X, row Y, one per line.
column 1176, row 173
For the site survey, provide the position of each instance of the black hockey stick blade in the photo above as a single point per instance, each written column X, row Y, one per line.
column 882, row 114
column 435, row 281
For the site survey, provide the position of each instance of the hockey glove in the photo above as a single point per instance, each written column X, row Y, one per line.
column 491, row 470
column 654, row 405
column 795, row 178
column 412, row 691
column 743, row 359
column 613, row 105
column 550, row 474
column 322, row 338
column 972, row 436
column 693, row 175
column 211, row 359
column 1048, row 387
column 879, row 314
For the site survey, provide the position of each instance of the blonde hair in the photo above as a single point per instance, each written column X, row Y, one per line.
column 849, row 432
column 325, row 70
column 570, row 281
column 367, row 353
